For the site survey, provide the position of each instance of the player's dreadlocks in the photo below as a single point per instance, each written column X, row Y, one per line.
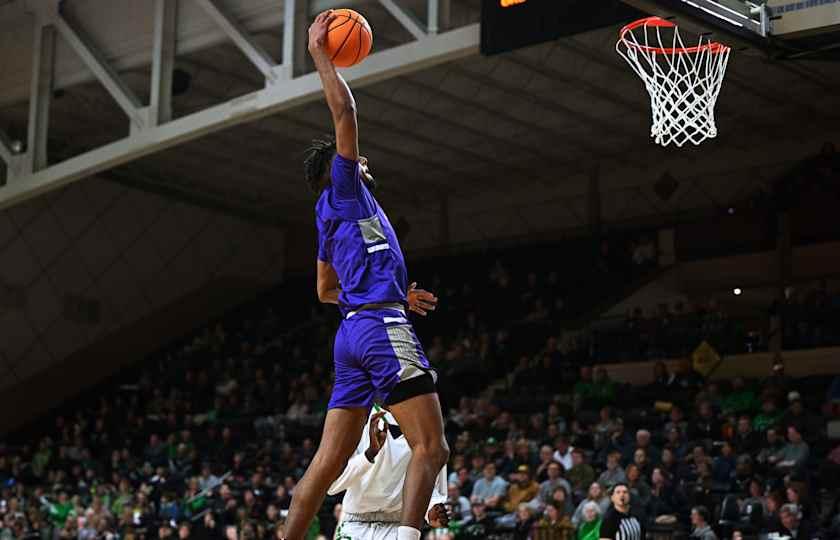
column 316, row 164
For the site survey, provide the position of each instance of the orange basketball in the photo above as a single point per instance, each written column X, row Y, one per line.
column 349, row 38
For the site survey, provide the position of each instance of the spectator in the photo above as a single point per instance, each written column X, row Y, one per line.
column 555, row 480
column 643, row 441
column 613, row 474
column 546, row 458
column 554, row 523
column 745, row 440
column 594, row 495
column 773, row 446
column 581, row 475
column 590, row 526
column 664, row 498
column 740, row 399
column 700, row 524
column 522, row 489
column 768, row 417
column 640, row 460
column 524, row 522
column 791, row 525
column 563, row 452
column 480, row 524
column 807, row 424
column 459, row 506
column 723, row 468
column 639, row 490
column 793, row 455
column 490, row 489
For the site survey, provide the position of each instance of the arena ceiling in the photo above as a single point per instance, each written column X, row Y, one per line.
column 505, row 145
column 478, row 149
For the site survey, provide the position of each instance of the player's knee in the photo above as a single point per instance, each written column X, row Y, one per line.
column 329, row 464
column 435, row 452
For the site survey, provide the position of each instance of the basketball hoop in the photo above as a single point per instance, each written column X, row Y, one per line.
column 683, row 82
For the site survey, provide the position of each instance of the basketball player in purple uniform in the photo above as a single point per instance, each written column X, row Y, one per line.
column 377, row 356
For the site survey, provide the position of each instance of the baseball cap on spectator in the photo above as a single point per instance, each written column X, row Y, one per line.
column 523, row 468
column 794, row 396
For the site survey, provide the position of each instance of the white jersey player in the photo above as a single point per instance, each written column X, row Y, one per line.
column 373, row 479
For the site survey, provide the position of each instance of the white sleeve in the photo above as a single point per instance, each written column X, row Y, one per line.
column 356, row 467
column 440, row 493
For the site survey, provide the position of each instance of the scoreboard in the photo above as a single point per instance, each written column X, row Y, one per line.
column 510, row 24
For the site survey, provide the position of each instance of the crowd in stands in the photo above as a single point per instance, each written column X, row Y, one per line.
column 209, row 438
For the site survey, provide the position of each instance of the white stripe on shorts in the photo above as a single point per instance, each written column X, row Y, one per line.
column 405, row 349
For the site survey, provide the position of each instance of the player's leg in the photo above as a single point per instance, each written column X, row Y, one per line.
column 341, row 435
column 347, row 413
column 421, row 422
column 400, row 372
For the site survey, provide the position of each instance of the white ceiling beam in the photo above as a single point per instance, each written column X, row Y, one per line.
column 317, row 6
column 290, row 23
column 102, row 70
column 262, row 16
column 40, row 94
column 405, row 18
column 163, row 61
column 383, row 65
column 6, row 153
column 241, row 38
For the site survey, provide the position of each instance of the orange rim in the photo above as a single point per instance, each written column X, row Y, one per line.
column 713, row 47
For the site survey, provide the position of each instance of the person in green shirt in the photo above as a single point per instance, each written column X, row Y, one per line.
column 581, row 475
column 590, row 527
column 59, row 511
column 740, row 399
column 604, row 387
column 768, row 417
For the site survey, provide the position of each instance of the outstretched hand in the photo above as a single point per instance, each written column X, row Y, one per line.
column 421, row 301
column 377, row 435
column 319, row 28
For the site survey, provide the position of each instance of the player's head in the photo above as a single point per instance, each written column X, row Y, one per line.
column 318, row 163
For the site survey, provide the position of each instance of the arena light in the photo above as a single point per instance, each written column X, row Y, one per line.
column 737, row 291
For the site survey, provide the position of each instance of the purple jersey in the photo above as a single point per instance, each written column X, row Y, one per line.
column 356, row 238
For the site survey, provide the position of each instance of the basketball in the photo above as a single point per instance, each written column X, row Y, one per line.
column 349, row 38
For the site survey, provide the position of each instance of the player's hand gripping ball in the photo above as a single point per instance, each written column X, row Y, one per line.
column 344, row 35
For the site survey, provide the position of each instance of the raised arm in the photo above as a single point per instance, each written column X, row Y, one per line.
column 339, row 98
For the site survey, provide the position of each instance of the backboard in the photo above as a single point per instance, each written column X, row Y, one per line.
column 742, row 23
column 786, row 29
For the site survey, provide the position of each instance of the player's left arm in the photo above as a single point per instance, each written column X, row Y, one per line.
column 328, row 286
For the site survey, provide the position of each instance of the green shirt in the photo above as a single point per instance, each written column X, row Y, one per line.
column 740, row 402
column 581, row 476
column 764, row 421
column 314, row 529
column 590, row 530
column 59, row 513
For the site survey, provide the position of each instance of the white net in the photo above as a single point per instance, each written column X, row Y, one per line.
column 683, row 82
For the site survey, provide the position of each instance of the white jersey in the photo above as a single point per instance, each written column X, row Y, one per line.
column 377, row 486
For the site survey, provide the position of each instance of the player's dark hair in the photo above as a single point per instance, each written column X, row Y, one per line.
column 317, row 161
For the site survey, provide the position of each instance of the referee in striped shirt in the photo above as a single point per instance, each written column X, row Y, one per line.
column 619, row 522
